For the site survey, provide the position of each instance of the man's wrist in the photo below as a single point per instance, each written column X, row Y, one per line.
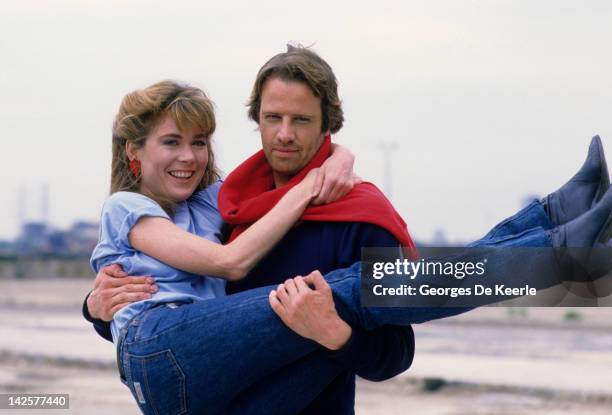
column 85, row 310
column 88, row 307
column 339, row 334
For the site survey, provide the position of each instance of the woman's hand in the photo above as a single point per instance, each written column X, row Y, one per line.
column 310, row 186
column 310, row 312
column 338, row 177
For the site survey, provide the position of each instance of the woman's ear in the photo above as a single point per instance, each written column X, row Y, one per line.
column 131, row 150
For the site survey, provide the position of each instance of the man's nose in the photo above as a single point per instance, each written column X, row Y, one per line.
column 286, row 133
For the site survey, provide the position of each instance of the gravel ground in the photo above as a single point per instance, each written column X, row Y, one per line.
column 99, row 392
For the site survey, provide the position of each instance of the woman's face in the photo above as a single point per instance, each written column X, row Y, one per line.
column 172, row 161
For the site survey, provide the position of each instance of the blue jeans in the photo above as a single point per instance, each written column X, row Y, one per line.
column 234, row 355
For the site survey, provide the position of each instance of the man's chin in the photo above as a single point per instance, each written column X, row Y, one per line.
column 283, row 173
column 285, row 168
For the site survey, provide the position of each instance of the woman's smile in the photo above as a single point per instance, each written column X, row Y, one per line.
column 181, row 174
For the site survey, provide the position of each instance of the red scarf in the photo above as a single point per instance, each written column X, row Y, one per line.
column 248, row 193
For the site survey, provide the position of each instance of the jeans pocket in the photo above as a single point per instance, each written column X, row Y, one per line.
column 158, row 383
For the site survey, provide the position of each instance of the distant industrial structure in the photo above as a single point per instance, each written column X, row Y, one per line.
column 41, row 251
column 38, row 238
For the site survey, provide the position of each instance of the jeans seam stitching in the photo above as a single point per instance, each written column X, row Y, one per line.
column 145, row 377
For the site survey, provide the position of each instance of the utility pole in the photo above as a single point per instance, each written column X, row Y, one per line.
column 387, row 148
column 44, row 204
column 21, row 207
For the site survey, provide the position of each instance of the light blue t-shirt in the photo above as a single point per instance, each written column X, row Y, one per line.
column 122, row 210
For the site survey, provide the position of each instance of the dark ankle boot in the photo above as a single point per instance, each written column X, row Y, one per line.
column 587, row 230
column 583, row 191
column 582, row 246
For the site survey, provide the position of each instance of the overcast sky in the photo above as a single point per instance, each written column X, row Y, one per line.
column 489, row 101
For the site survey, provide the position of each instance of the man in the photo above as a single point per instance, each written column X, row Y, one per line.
column 296, row 104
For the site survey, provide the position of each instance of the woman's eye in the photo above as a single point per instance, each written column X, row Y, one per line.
column 170, row 142
column 200, row 143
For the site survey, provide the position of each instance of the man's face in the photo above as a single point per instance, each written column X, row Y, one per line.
column 290, row 126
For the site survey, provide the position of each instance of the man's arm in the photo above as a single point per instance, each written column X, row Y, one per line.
column 374, row 355
column 377, row 355
column 113, row 290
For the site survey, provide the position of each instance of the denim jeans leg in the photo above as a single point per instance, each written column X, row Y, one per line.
column 532, row 216
column 536, row 237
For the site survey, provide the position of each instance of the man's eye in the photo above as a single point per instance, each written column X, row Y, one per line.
column 272, row 117
column 302, row 120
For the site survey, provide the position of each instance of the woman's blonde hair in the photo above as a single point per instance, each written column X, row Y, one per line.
column 140, row 112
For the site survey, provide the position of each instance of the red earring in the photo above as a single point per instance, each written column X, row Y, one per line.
column 135, row 167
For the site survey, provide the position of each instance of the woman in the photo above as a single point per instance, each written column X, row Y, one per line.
column 230, row 353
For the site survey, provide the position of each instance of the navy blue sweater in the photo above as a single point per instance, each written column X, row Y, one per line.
column 326, row 246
